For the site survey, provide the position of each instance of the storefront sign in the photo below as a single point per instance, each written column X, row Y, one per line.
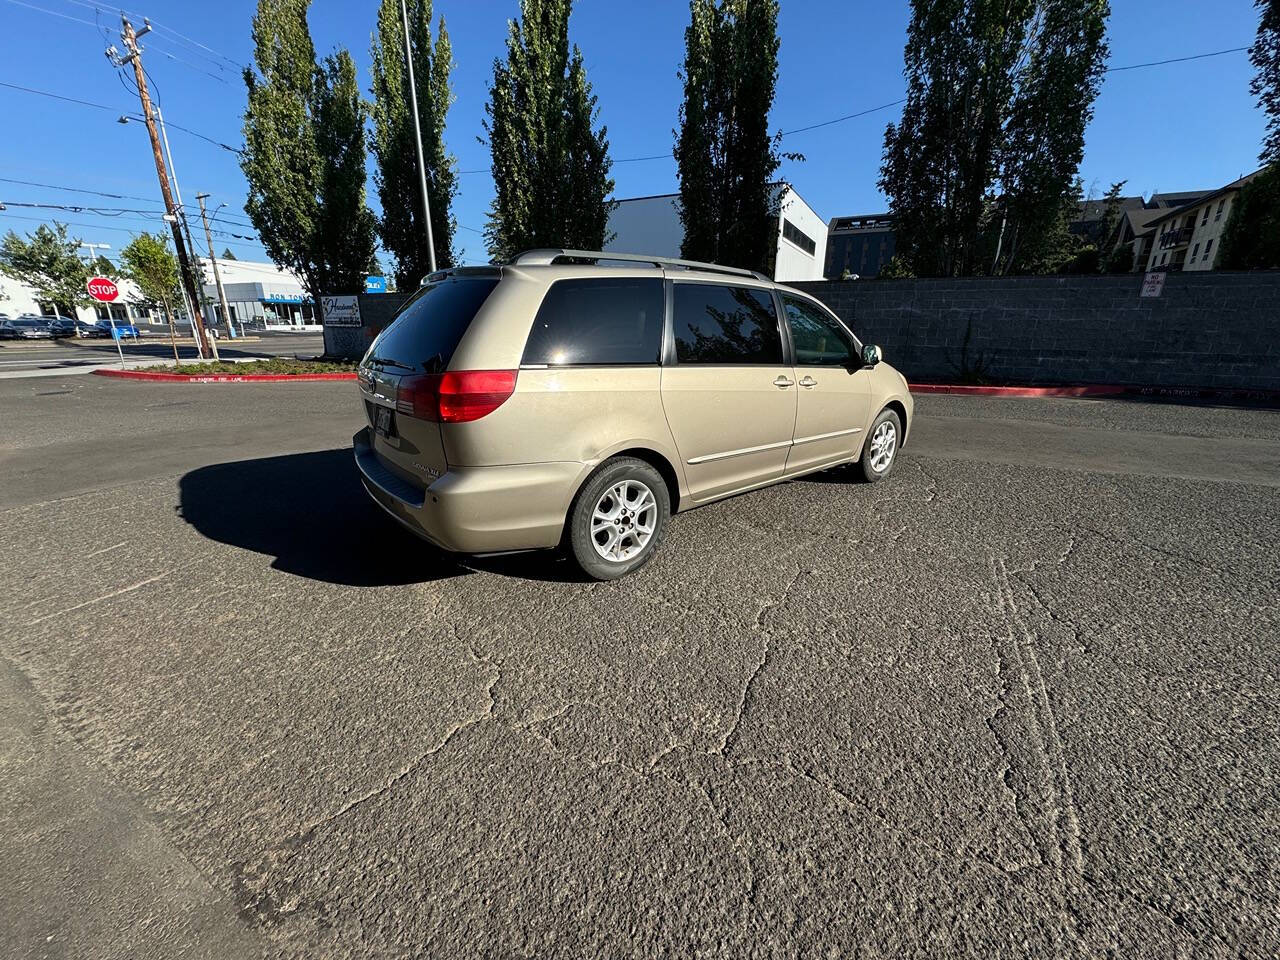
column 375, row 284
column 341, row 311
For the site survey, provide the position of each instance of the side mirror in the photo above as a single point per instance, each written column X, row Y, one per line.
column 871, row 355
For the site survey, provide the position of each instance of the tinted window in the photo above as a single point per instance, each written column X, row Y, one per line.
column 818, row 340
column 430, row 326
column 715, row 324
column 598, row 320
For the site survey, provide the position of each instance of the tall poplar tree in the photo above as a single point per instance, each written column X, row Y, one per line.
column 550, row 167
column 1056, row 83
column 998, row 96
column 392, row 140
column 725, row 155
column 1265, row 54
column 304, row 155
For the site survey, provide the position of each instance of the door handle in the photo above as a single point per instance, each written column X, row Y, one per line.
column 808, row 381
column 783, row 382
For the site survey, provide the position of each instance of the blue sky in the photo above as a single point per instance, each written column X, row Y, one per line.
column 1174, row 127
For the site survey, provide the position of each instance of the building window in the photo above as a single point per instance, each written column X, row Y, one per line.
column 1205, row 218
column 1164, row 257
column 1195, row 252
column 1207, row 247
column 798, row 237
column 1221, row 203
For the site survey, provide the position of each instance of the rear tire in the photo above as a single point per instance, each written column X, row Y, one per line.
column 880, row 449
column 617, row 518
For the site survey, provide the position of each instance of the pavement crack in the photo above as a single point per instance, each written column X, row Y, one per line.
column 731, row 736
column 106, row 596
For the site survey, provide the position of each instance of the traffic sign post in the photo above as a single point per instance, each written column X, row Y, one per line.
column 106, row 291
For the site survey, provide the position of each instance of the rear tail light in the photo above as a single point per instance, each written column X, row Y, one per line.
column 458, row 396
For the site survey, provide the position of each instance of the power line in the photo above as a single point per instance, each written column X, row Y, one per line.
column 1161, row 63
column 96, row 193
column 57, row 96
column 52, row 13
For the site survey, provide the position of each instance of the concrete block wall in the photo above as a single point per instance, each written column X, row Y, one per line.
column 1214, row 330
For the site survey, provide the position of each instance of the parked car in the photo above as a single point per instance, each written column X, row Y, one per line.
column 63, row 327
column 26, row 327
column 578, row 398
column 90, row 331
column 120, row 329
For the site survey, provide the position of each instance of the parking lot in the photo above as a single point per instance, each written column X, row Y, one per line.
column 1019, row 699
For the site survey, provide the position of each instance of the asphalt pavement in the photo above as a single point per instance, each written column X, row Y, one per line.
column 1019, row 699
column 42, row 357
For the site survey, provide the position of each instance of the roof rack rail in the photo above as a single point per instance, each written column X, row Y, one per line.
column 550, row 255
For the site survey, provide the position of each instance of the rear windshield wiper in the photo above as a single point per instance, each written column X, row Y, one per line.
column 390, row 363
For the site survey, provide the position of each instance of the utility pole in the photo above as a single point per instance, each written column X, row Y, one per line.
column 134, row 56
column 417, row 130
column 217, row 277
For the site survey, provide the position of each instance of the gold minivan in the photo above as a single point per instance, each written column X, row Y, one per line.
column 578, row 399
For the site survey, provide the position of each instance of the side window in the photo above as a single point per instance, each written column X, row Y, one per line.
column 725, row 325
column 598, row 320
column 818, row 340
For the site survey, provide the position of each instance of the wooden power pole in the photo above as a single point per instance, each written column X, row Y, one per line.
column 217, row 277
column 134, row 56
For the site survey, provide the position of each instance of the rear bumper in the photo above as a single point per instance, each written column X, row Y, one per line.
column 476, row 509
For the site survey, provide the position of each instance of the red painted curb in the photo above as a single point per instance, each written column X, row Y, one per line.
column 219, row 377
column 984, row 391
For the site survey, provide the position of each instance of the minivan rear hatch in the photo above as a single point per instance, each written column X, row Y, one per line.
column 420, row 340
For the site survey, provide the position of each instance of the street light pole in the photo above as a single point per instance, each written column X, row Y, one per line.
column 217, row 277
column 417, row 130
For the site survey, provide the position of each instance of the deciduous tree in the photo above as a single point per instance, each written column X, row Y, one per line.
column 392, row 140
column 550, row 165
column 998, row 95
column 150, row 263
column 1265, row 54
column 48, row 261
column 725, row 154
column 1251, row 238
column 304, row 155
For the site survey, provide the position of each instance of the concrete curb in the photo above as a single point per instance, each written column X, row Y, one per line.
column 220, row 377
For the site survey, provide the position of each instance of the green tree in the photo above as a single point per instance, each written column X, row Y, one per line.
column 1265, row 54
column 1251, row 238
column 998, row 95
column 150, row 263
column 304, row 155
column 1055, row 85
column 48, row 261
column 227, row 254
column 725, row 155
column 550, row 167
column 392, row 140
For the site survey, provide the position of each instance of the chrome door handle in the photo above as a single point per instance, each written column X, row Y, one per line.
column 783, row 382
column 808, row 381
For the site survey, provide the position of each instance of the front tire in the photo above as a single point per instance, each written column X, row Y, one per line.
column 617, row 518
column 880, row 450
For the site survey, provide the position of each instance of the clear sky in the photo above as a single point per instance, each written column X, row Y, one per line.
column 1179, row 126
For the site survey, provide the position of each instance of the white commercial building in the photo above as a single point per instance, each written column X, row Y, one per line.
column 16, row 298
column 652, row 225
column 258, row 294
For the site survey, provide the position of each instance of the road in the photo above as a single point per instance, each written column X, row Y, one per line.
column 25, row 357
column 1018, row 700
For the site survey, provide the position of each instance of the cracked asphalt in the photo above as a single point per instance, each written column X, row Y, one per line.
column 1020, row 699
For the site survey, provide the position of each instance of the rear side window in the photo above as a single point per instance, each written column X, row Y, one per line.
column 598, row 320
column 725, row 325
column 430, row 326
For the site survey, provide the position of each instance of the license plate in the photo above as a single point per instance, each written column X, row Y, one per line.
column 384, row 421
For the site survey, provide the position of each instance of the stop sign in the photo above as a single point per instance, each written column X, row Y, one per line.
column 100, row 288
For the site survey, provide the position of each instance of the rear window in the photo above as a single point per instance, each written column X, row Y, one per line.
column 598, row 320
column 430, row 326
column 725, row 325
